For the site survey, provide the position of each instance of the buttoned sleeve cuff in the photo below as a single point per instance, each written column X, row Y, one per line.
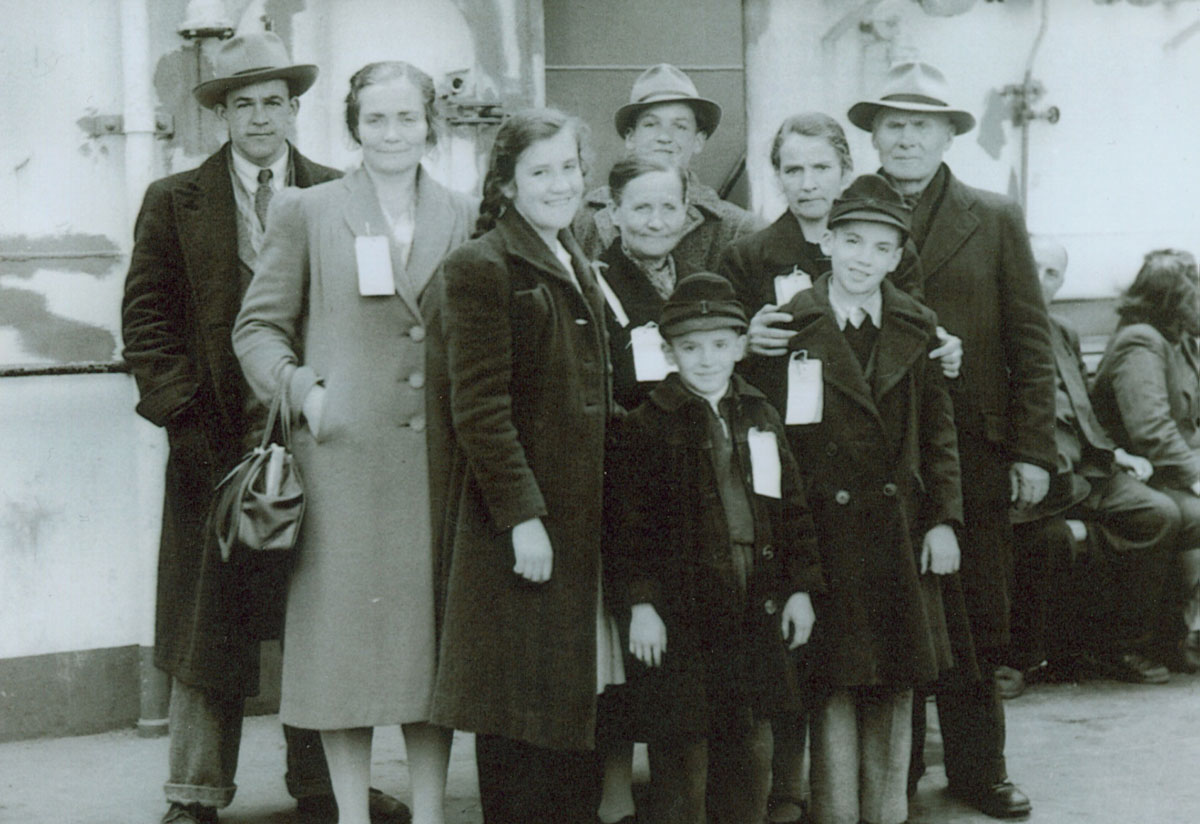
column 512, row 509
column 165, row 402
column 643, row 591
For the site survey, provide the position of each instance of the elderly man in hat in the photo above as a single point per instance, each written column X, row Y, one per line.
column 667, row 121
column 980, row 278
column 195, row 244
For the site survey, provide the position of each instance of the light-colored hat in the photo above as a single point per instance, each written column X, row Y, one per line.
column 912, row 87
column 252, row 58
column 665, row 83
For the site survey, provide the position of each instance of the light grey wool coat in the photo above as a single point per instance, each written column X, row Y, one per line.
column 360, row 616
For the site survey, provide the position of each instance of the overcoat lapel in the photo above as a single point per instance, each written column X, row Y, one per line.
column 952, row 224
column 902, row 339
column 206, row 214
column 523, row 242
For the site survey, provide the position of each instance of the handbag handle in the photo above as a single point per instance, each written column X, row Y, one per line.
column 279, row 414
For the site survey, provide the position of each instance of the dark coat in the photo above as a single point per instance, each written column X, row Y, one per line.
column 1147, row 395
column 667, row 518
column 752, row 263
column 712, row 224
column 980, row 279
column 182, row 294
column 519, row 372
column 642, row 304
column 880, row 470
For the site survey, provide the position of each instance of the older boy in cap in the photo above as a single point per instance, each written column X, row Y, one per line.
column 666, row 120
column 867, row 415
column 710, row 566
column 195, row 244
column 979, row 278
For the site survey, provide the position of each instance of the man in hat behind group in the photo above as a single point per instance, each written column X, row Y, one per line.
column 195, row 244
column 980, row 279
column 667, row 121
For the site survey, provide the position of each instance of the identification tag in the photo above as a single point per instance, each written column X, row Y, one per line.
column 789, row 285
column 374, row 266
column 805, row 393
column 764, row 462
column 649, row 362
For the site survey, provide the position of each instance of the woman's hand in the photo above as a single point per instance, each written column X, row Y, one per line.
column 531, row 548
column 950, row 353
column 798, row 619
column 647, row 635
column 313, row 408
column 939, row 552
column 765, row 339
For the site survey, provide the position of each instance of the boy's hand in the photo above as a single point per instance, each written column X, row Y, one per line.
column 798, row 619
column 950, row 353
column 647, row 635
column 765, row 339
column 531, row 548
column 939, row 552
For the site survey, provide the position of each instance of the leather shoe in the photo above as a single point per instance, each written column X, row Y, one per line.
column 189, row 814
column 1132, row 667
column 322, row 809
column 1000, row 800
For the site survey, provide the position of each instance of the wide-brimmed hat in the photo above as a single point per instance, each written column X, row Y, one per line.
column 253, row 58
column 700, row 302
column 665, row 83
column 870, row 197
column 912, row 87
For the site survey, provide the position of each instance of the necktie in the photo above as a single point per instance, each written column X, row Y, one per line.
column 262, row 196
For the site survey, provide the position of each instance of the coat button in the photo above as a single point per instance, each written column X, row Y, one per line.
column 770, row 607
column 417, row 333
column 768, row 553
column 889, row 489
column 416, row 380
column 842, row 497
column 831, row 448
column 417, row 423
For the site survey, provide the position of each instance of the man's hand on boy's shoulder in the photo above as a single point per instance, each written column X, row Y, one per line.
column 766, row 338
column 798, row 619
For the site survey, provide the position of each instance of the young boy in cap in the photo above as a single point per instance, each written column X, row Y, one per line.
column 709, row 566
column 872, row 427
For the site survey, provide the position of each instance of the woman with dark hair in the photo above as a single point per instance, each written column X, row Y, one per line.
column 332, row 317
column 517, row 457
column 1147, row 395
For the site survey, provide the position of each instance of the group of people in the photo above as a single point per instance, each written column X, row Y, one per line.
column 589, row 469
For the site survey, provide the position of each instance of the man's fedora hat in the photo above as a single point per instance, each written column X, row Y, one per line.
column 245, row 59
column 912, row 87
column 665, row 83
column 871, row 198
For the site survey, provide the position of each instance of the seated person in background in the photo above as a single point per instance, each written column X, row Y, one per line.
column 666, row 120
column 1147, row 395
column 709, row 567
column 1128, row 526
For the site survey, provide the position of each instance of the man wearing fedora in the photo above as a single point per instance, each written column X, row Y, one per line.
column 980, row 278
column 195, row 244
column 666, row 120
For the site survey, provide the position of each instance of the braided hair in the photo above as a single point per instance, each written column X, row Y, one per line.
column 517, row 133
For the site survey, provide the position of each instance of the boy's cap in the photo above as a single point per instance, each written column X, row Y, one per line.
column 700, row 302
column 872, row 198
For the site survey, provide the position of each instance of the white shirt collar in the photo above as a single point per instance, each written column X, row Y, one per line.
column 247, row 172
column 872, row 306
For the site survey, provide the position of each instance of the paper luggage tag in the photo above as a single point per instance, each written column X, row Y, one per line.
column 789, row 285
column 649, row 362
column 764, row 462
column 374, row 265
column 805, row 393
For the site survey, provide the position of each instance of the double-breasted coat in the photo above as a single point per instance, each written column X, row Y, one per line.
column 519, row 432
column 980, row 279
column 880, row 469
column 360, row 634
column 725, row 659
column 181, row 296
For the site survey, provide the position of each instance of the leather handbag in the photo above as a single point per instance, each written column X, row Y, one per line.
column 259, row 505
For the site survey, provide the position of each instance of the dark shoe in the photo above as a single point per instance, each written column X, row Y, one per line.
column 1000, row 800
column 322, row 809
column 189, row 814
column 786, row 811
column 1010, row 683
column 1132, row 667
column 1176, row 659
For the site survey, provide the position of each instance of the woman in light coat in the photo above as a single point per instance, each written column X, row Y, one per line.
column 333, row 318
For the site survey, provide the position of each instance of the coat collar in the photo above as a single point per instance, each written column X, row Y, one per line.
column 951, row 225
column 521, row 241
column 433, row 220
column 904, row 334
column 784, row 240
column 670, row 394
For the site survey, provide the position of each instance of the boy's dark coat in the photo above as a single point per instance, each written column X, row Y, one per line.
column 666, row 516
